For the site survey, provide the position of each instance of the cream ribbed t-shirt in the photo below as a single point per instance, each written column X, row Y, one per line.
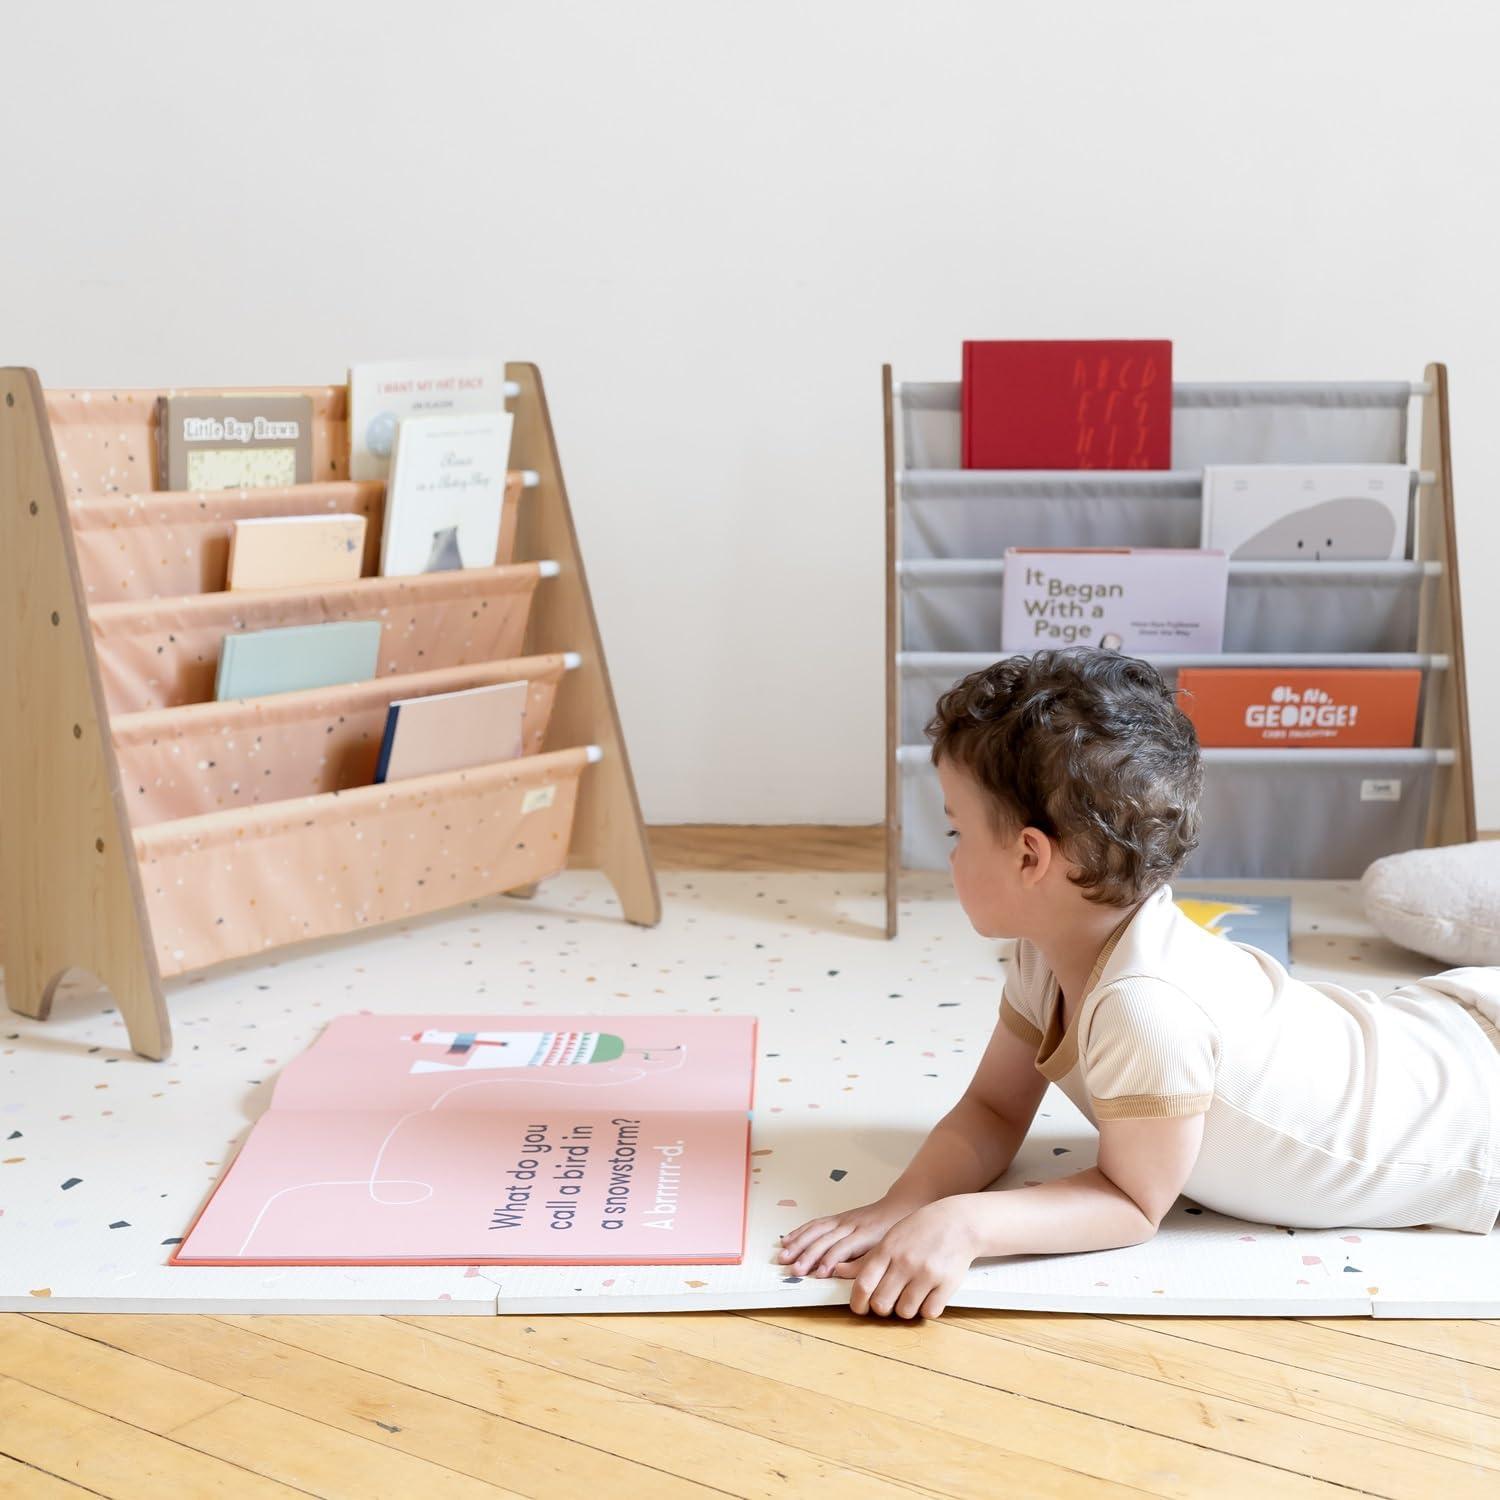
column 1326, row 1107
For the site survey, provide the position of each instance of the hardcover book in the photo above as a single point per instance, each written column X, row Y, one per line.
column 1263, row 922
column 1067, row 404
column 235, row 442
column 296, row 657
column 495, row 1140
column 282, row 552
column 1142, row 601
column 448, row 731
column 445, row 493
column 1304, row 707
column 1307, row 512
column 382, row 396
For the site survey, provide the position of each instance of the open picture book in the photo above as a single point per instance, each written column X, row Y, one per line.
column 505, row 1140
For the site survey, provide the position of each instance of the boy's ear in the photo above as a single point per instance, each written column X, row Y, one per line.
column 1036, row 853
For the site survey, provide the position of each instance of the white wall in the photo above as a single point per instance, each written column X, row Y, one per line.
column 709, row 224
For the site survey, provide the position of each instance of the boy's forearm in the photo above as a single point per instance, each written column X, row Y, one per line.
column 964, row 1152
column 1085, row 1211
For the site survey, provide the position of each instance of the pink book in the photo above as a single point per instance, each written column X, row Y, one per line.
column 495, row 1140
column 448, row 731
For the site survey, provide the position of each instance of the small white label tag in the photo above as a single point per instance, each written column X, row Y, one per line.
column 542, row 796
column 1388, row 789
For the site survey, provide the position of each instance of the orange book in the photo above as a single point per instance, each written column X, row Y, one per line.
column 1304, row 707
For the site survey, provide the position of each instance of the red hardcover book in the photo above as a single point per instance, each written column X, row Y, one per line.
column 1067, row 404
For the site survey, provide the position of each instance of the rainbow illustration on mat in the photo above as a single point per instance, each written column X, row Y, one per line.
column 525, row 1049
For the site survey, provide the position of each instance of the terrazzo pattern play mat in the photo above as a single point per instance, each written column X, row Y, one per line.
column 105, row 1158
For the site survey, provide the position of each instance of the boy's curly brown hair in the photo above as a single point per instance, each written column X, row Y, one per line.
column 1089, row 747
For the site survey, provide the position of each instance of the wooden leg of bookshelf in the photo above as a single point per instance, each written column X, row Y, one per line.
column 608, row 831
column 69, row 881
column 1446, row 718
column 144, row 1010
column 622, row 853
column 892, row 685
column 29, row 992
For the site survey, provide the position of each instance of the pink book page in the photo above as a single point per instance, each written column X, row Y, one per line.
column 495, row 1140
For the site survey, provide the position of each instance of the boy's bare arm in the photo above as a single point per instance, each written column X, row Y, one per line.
column 1143, row 1165
column 964, row 1152
column 978, row 1138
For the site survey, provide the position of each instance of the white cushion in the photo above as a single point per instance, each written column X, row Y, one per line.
column 1444, row 902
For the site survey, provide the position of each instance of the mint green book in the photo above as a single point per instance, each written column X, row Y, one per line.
column 297, row 656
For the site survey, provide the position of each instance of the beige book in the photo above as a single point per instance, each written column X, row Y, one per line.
column 284, row 552
column 451, row 731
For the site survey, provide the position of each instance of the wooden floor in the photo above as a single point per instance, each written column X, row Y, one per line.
column 818, row 1402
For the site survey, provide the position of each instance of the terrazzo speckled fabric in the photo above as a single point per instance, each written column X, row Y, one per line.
column 203, row 758
column 162, row 653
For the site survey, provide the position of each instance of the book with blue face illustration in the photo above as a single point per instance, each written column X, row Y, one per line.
column 1264, row 922
column 297, row 656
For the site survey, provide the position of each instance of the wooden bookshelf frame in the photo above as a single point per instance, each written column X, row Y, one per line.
column 71, row 891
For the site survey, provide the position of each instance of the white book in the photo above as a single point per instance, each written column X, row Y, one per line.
column 1143, row 601
column 445, row 493
column 382, row 396
column 1307, row 512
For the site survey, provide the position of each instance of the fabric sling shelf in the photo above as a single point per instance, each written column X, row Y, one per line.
column 147, row 831
column 1267, row 814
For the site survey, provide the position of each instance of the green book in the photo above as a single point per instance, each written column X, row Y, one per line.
column 297, row 656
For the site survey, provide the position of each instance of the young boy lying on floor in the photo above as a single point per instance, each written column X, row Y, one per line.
column 1071, row 780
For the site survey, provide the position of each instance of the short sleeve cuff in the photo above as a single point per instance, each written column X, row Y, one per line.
column 1018, row 1025
column 1150, row 1106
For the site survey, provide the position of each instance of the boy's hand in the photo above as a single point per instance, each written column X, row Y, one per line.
column 918, row 1265
column 823, row 1243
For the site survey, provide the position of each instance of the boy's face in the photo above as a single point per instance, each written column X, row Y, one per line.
column 999, row 878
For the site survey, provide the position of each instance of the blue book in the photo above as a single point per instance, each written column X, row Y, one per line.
column 297, row 656
column 1264, row 922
